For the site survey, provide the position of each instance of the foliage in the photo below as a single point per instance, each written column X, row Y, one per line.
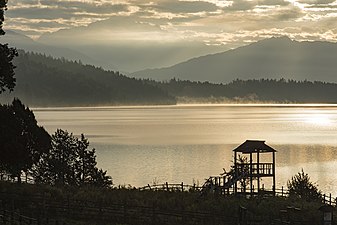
column 3, row 7
column 242, row 171
column 7, row 80
column 301, row 187
column 22, row 141
column 70, row 162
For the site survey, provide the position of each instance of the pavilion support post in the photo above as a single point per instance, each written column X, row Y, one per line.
column 251, row 172
column 258, row 171
column 236, row 172
column 274, row 183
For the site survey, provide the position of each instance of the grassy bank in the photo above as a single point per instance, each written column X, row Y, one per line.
column 52, row 205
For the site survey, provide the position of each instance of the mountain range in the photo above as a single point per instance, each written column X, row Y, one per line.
column 124, row 56
column 21, row 41
column 44, row 81
column 273, row 58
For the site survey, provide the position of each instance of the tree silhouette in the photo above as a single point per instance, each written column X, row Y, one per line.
column 22, row 141
column 70, row 162
column 301, row 187
column 3, row 7
column 7, row 80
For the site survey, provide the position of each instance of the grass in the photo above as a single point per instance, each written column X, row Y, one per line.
column 131, row 206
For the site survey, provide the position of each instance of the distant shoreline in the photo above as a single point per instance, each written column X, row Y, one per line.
column 41, row 108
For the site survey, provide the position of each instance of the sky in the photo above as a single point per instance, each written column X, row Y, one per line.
column 212, row 22
column 132, row 35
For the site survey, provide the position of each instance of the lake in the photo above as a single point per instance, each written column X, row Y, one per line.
column 189, row 143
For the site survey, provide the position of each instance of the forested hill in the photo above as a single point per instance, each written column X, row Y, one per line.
column 254, row 91
column 45, row 81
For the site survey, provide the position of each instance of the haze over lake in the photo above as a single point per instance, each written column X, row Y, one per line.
column 186, row 143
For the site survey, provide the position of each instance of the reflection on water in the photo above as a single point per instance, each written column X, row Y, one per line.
column 180, row 143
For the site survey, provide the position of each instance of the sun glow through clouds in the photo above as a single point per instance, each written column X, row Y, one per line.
column 318, row 119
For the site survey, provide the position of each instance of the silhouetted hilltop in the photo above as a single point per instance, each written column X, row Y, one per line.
column 273, row 58
column 46, row 81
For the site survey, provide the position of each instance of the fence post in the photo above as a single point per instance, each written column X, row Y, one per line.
column 182, row 186
column 323, row 198
column 330, row 202
column 282, row 191
column 167, row 187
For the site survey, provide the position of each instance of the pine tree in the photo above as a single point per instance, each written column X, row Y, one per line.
column 301, row 187
column 22, row 141
column 70, row 162
column 7, row 80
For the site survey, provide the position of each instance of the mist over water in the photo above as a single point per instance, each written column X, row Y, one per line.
column 186, row 143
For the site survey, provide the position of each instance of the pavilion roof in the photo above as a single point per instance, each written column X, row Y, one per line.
column 254, row 146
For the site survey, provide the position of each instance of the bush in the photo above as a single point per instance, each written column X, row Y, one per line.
column 301, row 187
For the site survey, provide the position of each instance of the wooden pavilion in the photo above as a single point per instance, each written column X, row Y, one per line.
column 252, row 168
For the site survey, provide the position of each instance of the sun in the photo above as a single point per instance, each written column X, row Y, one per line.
column 318, row 119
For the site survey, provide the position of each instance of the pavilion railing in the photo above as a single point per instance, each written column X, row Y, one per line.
column 257, row 168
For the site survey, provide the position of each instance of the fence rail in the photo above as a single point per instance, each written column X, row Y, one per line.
column 44, row 210
column 281, row 192
column 38, row 209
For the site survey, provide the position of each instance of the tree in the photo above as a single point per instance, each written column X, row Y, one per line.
column 85, row 168
column 22, row 141
column 241, row 173
column 70, row 162
column 3, row 7
column 301, row 187
column 7, row 54
column 56, row 166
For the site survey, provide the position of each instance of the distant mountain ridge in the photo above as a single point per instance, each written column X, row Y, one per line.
column 272, row 58
column 27, row 44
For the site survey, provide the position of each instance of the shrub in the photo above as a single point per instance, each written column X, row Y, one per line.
column 301, row 187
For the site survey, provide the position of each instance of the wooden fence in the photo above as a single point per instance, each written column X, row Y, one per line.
column 42, row 210
column 37, row 209
column 282, row 192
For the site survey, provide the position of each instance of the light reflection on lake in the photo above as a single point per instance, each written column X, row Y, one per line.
column 139, row 145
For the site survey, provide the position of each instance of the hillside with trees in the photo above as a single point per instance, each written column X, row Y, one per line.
column 46, row 81
column 244, row 91
column 60, row 82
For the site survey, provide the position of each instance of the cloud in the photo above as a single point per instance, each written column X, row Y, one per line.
column 274, row 2
column 213, row 22
column 316, row 2
column 184, row 7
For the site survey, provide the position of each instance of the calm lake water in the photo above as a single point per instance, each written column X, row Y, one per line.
column 189, row 143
